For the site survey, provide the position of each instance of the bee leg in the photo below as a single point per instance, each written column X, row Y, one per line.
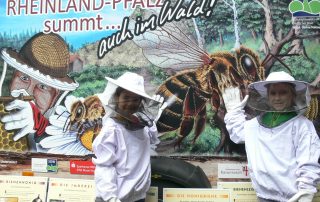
column 218, row 119
column 193, row 104
column 185, row 128
column 200, row 123
column 80, row 130
column 97, row 128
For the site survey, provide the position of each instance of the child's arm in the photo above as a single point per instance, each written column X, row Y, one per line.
column 235, row 117
column 307, row 145
column 235, row 123
column 153, row 134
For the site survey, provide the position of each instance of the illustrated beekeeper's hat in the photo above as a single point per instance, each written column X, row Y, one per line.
column 44, row 57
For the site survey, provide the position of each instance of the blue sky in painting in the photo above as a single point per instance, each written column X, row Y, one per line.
column 14, row 24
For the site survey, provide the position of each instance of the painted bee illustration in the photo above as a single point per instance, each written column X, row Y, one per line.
column 74, row 126
column 194, row 88
column 86, row 119
column 201, row 78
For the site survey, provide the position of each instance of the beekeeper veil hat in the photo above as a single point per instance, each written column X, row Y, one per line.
column 258, row 92
column 131, row 82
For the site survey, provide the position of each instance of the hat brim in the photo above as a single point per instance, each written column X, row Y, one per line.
column 261, row 85
column 129, row 88
column 14, row 59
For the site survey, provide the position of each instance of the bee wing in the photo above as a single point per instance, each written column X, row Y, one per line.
column 171, row 46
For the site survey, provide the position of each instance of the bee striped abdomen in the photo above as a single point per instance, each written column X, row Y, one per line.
column 181, row 85
column 313, row 109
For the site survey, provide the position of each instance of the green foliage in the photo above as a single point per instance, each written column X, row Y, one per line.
column 205, row 143
column 281, row 15
column 250, row 16
column 312, row 49
column 229, row 45
column 210, row 27
column 302, row 68
column 92, row 80
column 15, row 41
column 169, row 136
column 158, row 75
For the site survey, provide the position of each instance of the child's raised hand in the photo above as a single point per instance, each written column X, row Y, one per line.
column 163, row 105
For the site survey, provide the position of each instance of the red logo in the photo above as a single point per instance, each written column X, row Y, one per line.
column 245, row 170
column 82, row 167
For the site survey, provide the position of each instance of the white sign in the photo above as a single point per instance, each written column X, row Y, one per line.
column 44, row 165
column 233, row 171
column 195, row 195
column 240, row 191
column 71, row 190
column 22, row 188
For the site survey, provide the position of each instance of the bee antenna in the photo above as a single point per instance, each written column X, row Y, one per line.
column 211, row 60
column 66, row 124
column 63, row 113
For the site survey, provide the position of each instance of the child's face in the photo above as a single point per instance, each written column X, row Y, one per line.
column 280, row 96
column 128, row 102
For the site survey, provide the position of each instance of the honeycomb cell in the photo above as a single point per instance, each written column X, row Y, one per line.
column 6, row 141
column 18, row 145
column 11, row 143
column 5, row 135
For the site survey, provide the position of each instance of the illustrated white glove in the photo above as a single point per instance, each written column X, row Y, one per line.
column 22, row 119
column 231, row 98
column 163, row 105
column 59, row 121
column 302, row 196
column 113, row 200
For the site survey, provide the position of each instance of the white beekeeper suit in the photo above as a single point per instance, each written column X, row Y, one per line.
column 122, row 151
column 282, row 160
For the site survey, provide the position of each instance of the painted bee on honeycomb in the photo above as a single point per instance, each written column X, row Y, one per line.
column 200, row 79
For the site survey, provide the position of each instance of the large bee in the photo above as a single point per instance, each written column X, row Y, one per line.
column 86, row 119
column 201, row 77
column 194, row 88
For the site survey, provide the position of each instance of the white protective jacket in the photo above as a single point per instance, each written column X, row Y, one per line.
column 281, row 160
column 123, row 161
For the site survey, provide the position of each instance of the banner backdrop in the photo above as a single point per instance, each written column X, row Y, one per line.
column 56, row 54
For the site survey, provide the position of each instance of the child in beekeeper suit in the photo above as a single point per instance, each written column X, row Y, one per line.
column 282, row 145
column 122, row 148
